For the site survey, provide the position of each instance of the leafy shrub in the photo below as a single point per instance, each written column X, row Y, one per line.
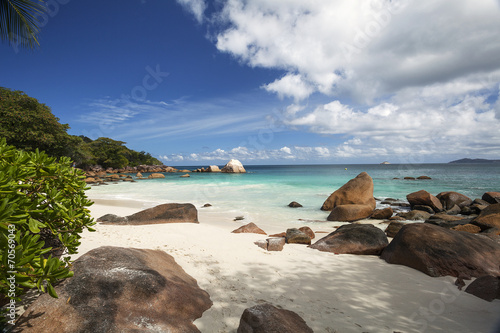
column 43, row 211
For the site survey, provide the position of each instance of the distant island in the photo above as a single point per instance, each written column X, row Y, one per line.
column 385, row 162
column 475, row 160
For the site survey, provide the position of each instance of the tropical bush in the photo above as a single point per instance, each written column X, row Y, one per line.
column 43, row 211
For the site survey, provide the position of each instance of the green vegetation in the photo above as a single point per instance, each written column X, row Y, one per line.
column 18, row 21
column 28, row 124
column 43, row 211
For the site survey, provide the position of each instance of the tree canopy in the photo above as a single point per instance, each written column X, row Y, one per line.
column 28, row 124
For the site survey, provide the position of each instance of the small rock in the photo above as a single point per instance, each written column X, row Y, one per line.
column 415, row 215
column 156, row 176
column 295, row 236
column 393, row 228
column 266, row 318
column 185, row 175
column 249, row 228
column 491, row 197
column 239, row 218
column 382, row 214
column 424, row 198
column 424, row 208
column 294, row 204
column 207, row 205
column 308, row 231
column 485, row 287
column 275, row 244
column 471, row 228
column 262, row 243
column 489, row 217
column 423, row 178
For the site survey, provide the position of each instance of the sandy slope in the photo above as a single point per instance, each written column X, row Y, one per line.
column 333, row 293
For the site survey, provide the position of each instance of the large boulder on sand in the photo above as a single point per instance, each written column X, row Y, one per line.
column 266, row 318
column 118, row 289
column 166, row 213
column 437, row 251
column 424, row 198
column 450, row 199
column 350, row 213
column 233, row 166
column 353, row 239
column 489, row 217
column 357, row 191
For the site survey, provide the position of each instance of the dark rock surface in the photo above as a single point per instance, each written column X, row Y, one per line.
column 437, row 251
column 382, row 214
column 295, row 236
column 485, row 287
column 266, row 318
column 423, row 197
column 489, row 217
column 353, row 239
column 350, row 213
column 450, row 199
column 118, row 289
column 166, row 213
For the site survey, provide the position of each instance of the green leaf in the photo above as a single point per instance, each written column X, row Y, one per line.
column 33, row 226
column 51, row 290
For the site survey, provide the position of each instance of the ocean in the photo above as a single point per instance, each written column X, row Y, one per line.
column 264, row 192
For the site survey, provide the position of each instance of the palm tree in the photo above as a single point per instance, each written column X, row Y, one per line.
column 18, row 21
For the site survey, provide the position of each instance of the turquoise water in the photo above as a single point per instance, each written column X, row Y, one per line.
column 264, row 192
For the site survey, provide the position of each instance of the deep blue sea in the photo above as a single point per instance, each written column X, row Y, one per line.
column 264, row 192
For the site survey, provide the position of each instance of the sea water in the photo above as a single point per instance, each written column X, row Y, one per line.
column 264, row 192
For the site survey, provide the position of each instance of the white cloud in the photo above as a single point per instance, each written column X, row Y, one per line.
column 286, row 150
column 244, row 154
column 195, row 7
column 362, row 48
column 290, row 86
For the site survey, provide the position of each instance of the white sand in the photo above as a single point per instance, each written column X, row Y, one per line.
column 332, row 293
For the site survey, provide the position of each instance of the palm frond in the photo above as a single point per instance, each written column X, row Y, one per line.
column 18, row 21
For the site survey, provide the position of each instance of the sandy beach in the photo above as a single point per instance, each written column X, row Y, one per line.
column 332, row 293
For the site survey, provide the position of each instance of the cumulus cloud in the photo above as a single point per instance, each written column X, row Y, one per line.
column 195, row 7
column 387, row 77
column 245, row 154
column 362, row 48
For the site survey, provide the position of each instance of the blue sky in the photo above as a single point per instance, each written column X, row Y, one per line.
column 198, row 82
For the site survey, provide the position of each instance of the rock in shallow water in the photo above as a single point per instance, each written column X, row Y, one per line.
column 357, row 191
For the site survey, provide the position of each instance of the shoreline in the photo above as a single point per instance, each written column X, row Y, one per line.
column 332, row 293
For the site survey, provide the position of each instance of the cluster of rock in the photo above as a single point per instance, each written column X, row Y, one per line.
column 98, row 175
column 116, row 289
